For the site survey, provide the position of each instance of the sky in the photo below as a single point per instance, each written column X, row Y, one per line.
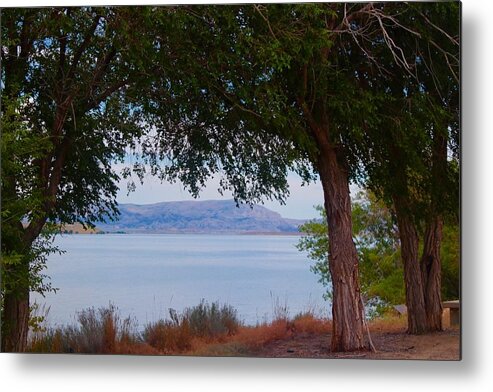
column 299, row 205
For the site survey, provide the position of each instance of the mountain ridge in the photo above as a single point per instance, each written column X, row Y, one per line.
column 199, row 216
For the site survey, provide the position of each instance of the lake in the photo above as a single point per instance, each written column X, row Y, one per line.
column 144, row 275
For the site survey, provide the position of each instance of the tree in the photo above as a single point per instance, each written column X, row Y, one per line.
column 266, row 84
column 301, row 76
column 79, row 88
column 409, row 163
column 443, row 178
column 20, row 268
column 69, row 78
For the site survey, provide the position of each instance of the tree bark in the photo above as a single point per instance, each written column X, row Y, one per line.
column 16, row 320
column 15, row 312
column 408, row 235
column 15, row 280
column 431, row 263
column 347, row 308
column 432, row 275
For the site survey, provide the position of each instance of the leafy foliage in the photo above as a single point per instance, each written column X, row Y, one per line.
column 19, row 147
column 69, row 82
column 375, row 236
column 451, row 261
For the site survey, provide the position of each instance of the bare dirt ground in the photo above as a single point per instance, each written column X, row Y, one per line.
column 389, row 338
column 389, row 345
column 311, row 339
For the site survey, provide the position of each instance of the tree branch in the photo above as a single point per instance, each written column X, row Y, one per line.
column 93, row 103
column 103, row 66
column 85, row 43
column 33, row 230
column 453, row 40
column 257, row 8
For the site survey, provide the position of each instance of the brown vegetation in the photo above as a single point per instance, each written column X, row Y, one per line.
column 211, row 330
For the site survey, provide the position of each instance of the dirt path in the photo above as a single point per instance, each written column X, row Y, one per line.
column 390, row 345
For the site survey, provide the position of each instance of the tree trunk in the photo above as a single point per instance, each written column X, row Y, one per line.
column 432, row 275
column 347, row 308
column 15, row 287
column 15, row 317
column 416, row 313
column 430, row 261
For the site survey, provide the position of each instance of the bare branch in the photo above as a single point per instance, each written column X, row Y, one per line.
column 453, row 40
column 447, row 55
column 257, row 8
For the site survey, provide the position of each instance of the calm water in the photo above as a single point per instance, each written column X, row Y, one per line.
column 145, row 275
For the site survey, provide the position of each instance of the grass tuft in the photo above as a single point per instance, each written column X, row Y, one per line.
column 99, row 331
column 196, row 325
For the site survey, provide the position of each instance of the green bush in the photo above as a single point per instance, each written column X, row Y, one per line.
column 376, row 237
column 374, row 234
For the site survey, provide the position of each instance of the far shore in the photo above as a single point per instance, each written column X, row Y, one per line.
column 79, row 229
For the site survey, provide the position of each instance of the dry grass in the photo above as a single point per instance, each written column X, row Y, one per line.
column 104, row 332
column 398, row 323
column 201, row 330
column 389, row 323
column 97, row 332
column 196, row 327
column 255, row 337
column 169, row 338
column 204, row 330
column 249, row 339
column 309, row 323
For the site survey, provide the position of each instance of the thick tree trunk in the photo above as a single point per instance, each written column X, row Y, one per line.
column 347, row 308
column 15, row 290
column 431, row 274
column 430, row 261
column 416, row 313
column 16, row 325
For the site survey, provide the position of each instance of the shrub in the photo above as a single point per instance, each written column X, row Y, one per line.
column 307, row 322
column 206, row 322
column 211, row 320
column 168, row 337
column 97, row 332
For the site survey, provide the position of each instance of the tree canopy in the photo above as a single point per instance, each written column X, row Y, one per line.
column 70, row 77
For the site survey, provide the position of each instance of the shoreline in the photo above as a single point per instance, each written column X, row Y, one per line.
column 239, row 233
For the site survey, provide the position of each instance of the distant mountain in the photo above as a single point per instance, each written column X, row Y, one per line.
column 211, row 216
